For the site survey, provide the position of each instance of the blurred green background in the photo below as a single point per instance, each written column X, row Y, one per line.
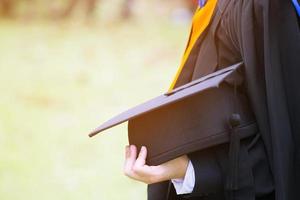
column 62, row 73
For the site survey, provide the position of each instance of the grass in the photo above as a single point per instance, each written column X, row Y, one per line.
column 59, row 81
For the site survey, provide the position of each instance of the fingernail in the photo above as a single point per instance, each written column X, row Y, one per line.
column 131, row 147
column 143, row 148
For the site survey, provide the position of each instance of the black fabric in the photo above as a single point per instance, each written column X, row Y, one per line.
column 207, row 173
column 211, row 167
column 160, row 191
column 264, row 34
column 269, row 43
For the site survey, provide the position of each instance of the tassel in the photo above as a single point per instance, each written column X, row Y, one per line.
column 234, row 148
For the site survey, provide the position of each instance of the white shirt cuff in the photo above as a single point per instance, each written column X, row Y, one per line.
column 185, row 185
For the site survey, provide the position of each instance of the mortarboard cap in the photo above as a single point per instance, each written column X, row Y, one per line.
column 191, row 117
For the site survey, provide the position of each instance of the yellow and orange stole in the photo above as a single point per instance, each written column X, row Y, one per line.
column 200, row 21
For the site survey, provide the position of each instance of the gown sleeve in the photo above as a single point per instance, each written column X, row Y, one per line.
column 208, row 180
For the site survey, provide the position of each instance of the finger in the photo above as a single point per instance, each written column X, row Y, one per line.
column 140, row 168
column 127, row 153
column 130, row 160
column 133, row 153
column 141, row 160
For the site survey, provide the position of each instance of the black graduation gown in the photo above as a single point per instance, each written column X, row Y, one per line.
column 265, row 35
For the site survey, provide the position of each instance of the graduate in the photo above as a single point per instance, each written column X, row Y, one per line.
column 265, row 36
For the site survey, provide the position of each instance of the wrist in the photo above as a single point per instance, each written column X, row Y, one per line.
column 175, row 169
column 183, row 162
